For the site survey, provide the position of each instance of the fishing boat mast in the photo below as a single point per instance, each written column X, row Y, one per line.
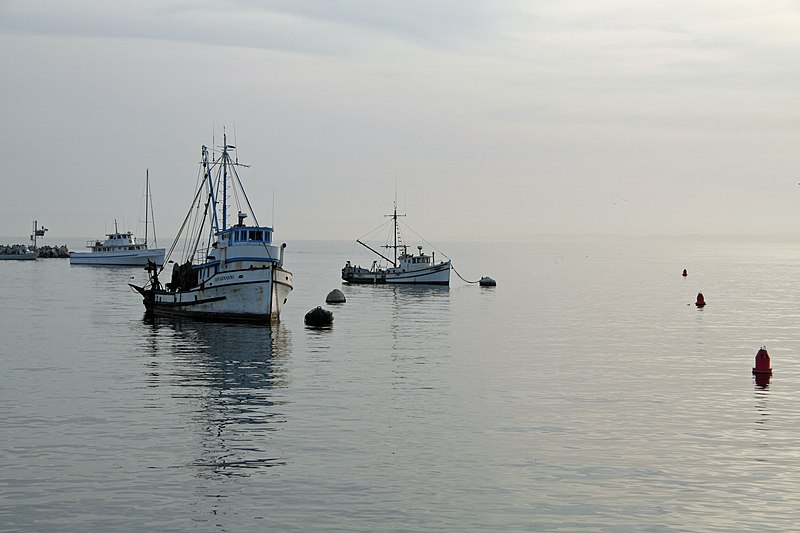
column 395, row 233
column 146, row 203
column 225, row 180
column 225, row 176
column 394, row 216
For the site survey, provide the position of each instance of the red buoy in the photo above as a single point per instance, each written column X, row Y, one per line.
column 762, row 362
column 701, row 301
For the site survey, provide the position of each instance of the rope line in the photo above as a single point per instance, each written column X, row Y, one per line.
column 428, row 243
column 462, row 277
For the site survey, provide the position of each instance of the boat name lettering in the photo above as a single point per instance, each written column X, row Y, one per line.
column 222, row 278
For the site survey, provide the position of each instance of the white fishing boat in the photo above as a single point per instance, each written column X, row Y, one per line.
column 122, row 248
column 406, row 268
column 227, row 273
column 21, row 252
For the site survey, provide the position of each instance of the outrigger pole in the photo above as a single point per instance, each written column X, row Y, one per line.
column 394, row 263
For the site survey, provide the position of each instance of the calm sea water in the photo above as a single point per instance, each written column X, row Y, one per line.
column 585, row 392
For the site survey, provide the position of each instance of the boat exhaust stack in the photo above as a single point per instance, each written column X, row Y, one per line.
column 280, row 260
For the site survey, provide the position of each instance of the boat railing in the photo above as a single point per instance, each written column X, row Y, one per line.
column 253, row 250
column 202, row 256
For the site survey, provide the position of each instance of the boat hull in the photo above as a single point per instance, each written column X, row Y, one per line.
column 252, row 295
column 437, row 275
column 434, row 275
column 118, row 258
column 19, row 257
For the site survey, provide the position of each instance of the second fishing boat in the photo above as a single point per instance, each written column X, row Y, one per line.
column 405, row 269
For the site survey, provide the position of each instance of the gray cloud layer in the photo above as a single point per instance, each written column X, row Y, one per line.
column 498, row 118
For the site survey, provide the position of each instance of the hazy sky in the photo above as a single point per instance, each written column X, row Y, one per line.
column 496, row 119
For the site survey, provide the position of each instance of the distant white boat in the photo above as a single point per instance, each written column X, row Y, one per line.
column 406, row 268
column 122, row 248
column 20, row 252
column 17, row 252
column 229, row 272
column 118, row 249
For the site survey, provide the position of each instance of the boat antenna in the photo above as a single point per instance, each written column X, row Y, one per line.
column 235, row 141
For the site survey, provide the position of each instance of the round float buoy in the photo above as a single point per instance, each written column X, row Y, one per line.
column 486, row 281
column 701, row 301
column 685, row 273
column 335, row 297
column 762, row 362
column 319, row 318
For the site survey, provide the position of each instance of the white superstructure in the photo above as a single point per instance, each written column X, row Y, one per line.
column 118, row 249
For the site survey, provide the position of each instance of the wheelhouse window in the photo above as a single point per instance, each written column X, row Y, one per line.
column 251, row 235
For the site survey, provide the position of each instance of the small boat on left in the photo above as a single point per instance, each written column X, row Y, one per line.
column 20, row 252
column 122, row 248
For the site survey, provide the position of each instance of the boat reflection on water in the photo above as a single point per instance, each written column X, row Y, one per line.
column 400, row 294
column 419, row 303
column 412, row 314
column 230, row 377
column 413, row 310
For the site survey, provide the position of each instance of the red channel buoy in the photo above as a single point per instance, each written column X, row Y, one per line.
column 762, row 362
column 685, row 273
column 701, row 301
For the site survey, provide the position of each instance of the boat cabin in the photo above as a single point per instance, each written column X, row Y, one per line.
column 242, row 246
column 418, row 260
column 247, row 234
column 414, row 262
column 116, row 242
